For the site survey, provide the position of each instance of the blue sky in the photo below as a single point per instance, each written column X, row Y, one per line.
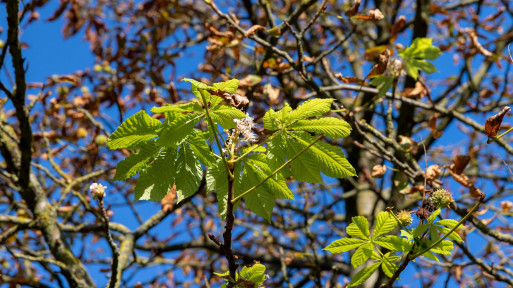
column 48, row 54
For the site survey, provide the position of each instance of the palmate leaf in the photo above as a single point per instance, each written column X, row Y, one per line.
column 212, row 100
column 453, row 236
column 304, row 168
column 358, row 228
column 188, row 174
column 229, row 86
column 261, row 200
column 419, row 230
column 254, row 273
column 362, row 254
column 277, row 155
column 177, row 130
column 217, row 180
column 155, row 181
column 134, row 163
column 445, row 247
column 384, row 223
column 200, row 147
column 224, row 115
column 331, row 159
column 363, row 274
column 344, row 245
column 257, row 164
column 270, row 120
column 135, row 131
column 331, row 127
column 187, row 107
column 393, row 243
column 388, row 264
column 310, row 108
column 433, row 216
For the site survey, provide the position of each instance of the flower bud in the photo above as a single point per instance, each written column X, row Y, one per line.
column 97, row 190
column 441, row 198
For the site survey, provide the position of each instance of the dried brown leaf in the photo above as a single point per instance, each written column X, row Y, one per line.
column 460, row 162
column 475, row 42
column 381, row 67
column 398, row 25
column 169, row 200
column 493, row 123
column 378, row 171
column 354, row 9
column 253, row 30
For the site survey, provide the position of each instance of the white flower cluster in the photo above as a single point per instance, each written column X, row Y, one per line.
column 97, row 190
column 395, row 68
column 245, row 127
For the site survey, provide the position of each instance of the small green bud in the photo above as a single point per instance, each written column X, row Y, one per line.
column 441, row 198
column 404, row 218
column 100, row 140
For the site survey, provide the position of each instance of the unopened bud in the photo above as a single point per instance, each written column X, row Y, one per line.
column 97, row 190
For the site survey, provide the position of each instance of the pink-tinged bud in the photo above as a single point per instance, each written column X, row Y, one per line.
column 97, row 190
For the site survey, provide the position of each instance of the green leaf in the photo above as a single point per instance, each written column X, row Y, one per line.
column 449, row 223
column 362, row 254
column 224, row 115
column 411, row 69
column 270, row 120
column 388, row 266
column 177, row 130
column 200, row 147
column 393, row 243
column 420, row 230
column 254, row 273
column 257, row 164
column 155, row 181
column 261, row 200
column 189, row 173
column 330, row 126
column 311, row 108
column 332, row 161
column 407, row 234
column 445, row 247
column 359, row 227
column 423, row 65
column 433, row 216
column 134, row 132
column 383, row 84
column 181, row 108
column 136, row 161
column 229, row 86
column 304, row 168
column 422, row 48
column 217, row 180
column 344, row 245
column 384, row 223
column 212, row 100
column 430, row 256
column 277, row 155
column 363, row 274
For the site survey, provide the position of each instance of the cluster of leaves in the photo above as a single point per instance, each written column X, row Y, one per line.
column 248, row 277
column 174, row 152
column 421, row 241
column 414, row 59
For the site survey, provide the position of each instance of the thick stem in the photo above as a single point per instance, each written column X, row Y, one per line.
column 227, row 235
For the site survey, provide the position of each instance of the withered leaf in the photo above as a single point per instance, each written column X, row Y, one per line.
column 349, row 79
column 398, row 25
column 460, row 162
column 381, row 67
column 253, row 30
column 169, row 200
column 354, row 9
column 378, row 171
column 236, row 100
column 493, row 123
